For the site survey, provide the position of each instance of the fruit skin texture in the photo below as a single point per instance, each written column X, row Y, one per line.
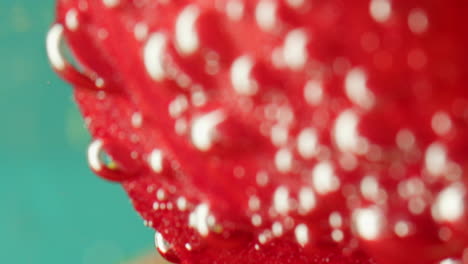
column 280, row 131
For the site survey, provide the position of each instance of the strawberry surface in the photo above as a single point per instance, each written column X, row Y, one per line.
column 273, row 131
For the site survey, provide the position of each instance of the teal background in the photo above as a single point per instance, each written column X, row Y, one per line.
column 52, row 208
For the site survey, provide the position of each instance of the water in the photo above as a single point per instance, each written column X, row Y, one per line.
column 53, row 209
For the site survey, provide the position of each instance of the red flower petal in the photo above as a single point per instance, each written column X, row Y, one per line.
column 279, row 131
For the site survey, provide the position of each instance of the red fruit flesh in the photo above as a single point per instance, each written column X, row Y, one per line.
column 279, row 131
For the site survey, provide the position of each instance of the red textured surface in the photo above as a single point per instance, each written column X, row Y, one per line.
column 414, row 80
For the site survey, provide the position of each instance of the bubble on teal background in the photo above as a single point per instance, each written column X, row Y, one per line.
column 52, row 208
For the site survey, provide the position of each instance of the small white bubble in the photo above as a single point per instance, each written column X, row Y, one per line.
column 302, row 234
column 111, row 3
column 370, row 188
column 368, row 222
column 178, row 106
column 182, row 203
column 313, row 92
column 188, row 246
column 307, row 200
column 140, row 31
column 295, row 3
column 405, row 139
column 203, row 130
column 416, row 205
column 345, row 131
column 156, row 206
column 450, row 204
column 402, row 228
column 198, row 219
column 450, row 261
column 262, row 178
column 54, row 39
column 307, row 143
column 153, row 55
column 256, row 220
column 281, row 200
column 295, row 49
column 155, row 160
column 199, row 98
column 137, row 120
column 324, row 179
column 337, row 235
column 181, row 126
column 418, row 21
column 161, row 195
column 254, row 203
column 436, row 158
column 186, row 37
column 277, row 229
column 279, row 135
column 441, row 123
column 335, row 220
column 265, row 15
column 94, row 151
column 380, row 10
column 161, row 244
column 357, row 90
column 284, row 160
column 71, row 19
column 240, row 74
column 235, row 9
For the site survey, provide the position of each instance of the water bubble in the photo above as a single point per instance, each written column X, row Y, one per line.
column 165, row 248
column 98, row 158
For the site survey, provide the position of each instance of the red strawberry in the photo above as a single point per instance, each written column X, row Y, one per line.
column 279, row 131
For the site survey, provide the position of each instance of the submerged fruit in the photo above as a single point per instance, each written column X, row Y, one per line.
column 279, row 131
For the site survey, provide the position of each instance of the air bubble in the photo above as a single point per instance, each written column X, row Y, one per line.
column 165, row 248
column 103, row 164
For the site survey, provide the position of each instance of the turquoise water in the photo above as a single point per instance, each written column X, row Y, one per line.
column 52, row 208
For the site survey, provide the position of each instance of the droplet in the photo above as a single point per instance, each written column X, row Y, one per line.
column 281, row 200
column 368, row 222
column 154, row 51
column 54, row 38
column 402, row 228
column 277, row 229
column 418, row 21
column 155, row 160
column 324, row 178
column 357, row 90
column 284, row 160
column 302, row 234
column 111, row 3
column 203, row 130
column 345, row 132
column 380, row 10
column 295, row 49
column 307, row 142
column 198, row 219
column 241, row 79
column 235, row 9
column 307, row 200
column 185, row 32
column 436, row 158
column 98, row 159
column 265, row 15
column 450, row 204
column 441, row 123
column 71, row 19
column 103, row 164
column 164, row 248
